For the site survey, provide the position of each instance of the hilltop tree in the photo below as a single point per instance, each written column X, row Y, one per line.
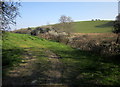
column 65, row 19
column 117, row 27
column 9, row 10
column 65, row 23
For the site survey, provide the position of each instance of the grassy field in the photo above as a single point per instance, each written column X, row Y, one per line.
column 93, row 27
column 88, row 27
column 34, row 61
column 84, row 27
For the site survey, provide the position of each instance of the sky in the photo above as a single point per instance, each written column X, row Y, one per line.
column 42, row 13
column 69, row 0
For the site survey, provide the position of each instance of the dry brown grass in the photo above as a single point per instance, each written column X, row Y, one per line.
column 95, row 34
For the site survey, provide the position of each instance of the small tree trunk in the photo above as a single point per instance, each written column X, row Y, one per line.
column 118, row 38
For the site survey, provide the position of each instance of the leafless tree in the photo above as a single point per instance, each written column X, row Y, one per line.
column 9, row 10
column 65, row 19
column 65, row 23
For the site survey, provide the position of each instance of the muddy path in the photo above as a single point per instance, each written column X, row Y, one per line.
column 39, row 66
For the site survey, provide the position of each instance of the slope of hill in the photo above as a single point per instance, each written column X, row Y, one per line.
column 81, row 27
column 93, row 27
column 38, row 61
column 87, row 27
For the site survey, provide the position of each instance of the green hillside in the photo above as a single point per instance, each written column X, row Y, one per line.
column 81, row 27
column 93, row 27
column 87, row 27
column 47, row 62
